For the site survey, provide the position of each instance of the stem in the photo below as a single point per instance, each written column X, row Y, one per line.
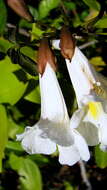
column 84, row 175
column 88, row 44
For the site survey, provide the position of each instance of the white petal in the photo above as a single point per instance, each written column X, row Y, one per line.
column 90, row 132
column 60, row 133
column 102, row 123
column 77, row 117
column 34, row 143
column 81, row 83
column 103, row 147
column 52, row 102
column 81, row 145
column 68, row 155
column 55, row 44
column 88, row 68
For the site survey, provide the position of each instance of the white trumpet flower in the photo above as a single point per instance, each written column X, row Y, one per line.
column 91, row 93
column 53, row 129
column 91, row 97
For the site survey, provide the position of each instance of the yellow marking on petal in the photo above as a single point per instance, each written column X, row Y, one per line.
column 95, row 109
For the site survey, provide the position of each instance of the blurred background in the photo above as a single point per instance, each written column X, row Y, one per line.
column 22, row 25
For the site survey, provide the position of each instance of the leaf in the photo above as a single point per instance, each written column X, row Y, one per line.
column 4, row 45
column 34, row 96
column 100, row 157
column 46, row 6
column 11, row 89
column 27, row 64
column 70, row 5
column 3, row 16
column 14, row 146
column 68, row 186
column 36, row 32
column 102, row 23
column 3, row 133
column 92, row 4
column 97, row 61
column 14, row 128
column 30, row 177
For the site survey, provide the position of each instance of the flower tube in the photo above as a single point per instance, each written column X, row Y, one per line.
column 91, row 117
column 53, row 129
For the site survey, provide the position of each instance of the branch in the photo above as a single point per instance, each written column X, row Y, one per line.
column 88, row 44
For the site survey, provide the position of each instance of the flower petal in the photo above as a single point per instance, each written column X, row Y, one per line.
column 82, row 147
column 52, row 102
column 35, row 143
column 72, row 154
column 56, row 44
column 77, row 117
column 102, row 123
column 60, row 133
column 90, row 132
column 81, row 83
column 68, row 155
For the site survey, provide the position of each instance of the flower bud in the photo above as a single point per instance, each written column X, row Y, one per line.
column 67, row 43
column 45, row 55
column 20, row 8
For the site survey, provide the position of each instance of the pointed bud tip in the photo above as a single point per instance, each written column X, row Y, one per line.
column 67, row 43
column 20, row 8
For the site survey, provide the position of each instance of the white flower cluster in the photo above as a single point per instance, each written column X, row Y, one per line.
column 88, row 124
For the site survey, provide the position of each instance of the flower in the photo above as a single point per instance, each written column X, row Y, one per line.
column 53, row 129
column 91, row 117
column 91, row 98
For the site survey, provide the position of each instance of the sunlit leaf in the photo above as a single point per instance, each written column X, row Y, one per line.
column 102, row 23
column 11, row 89
column 68, row 186
column 100, row 157
column 34, row 96
column 97, row 61
column 30, row 177
column 92, row 4
column 14, row 146
column 4, row 45
column 46, row 6
column 3, row 133
column 14, row 128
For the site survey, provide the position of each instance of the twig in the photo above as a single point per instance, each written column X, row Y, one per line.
column 84, row 175
column 21, row 30
column 88, row 44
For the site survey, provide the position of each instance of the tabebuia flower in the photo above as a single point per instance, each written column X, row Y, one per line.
column 53, row 129
column 91, row 117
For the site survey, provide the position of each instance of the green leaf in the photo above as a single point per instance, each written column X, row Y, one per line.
column 92, row 4
column 70, row 5
column 102, row 23
column 3, row 16
column 14, row 128
column 97, row 61
column 34, row 96
column 68, row 186
column 11, row 89
column 100, row 157
column 3, row 133
column 14, row 146
column 46, row 6
column 4, row 45
column 30, row 177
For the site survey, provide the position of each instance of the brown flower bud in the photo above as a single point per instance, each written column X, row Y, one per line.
column 45, row 55
column 20, row 8
column 67, row 43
